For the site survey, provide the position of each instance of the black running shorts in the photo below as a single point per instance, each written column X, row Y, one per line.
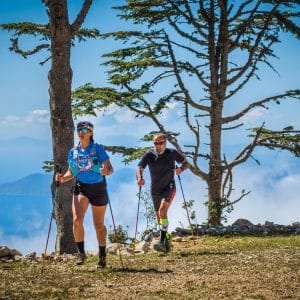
column 95, row 192
column 167, row 194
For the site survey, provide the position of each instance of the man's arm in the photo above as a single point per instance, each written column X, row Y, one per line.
column 183, row 167
column 139, row 176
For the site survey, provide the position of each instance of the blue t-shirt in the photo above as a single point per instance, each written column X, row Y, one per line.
column 82, row 160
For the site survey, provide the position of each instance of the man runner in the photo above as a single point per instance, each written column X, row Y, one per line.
column 161, row 162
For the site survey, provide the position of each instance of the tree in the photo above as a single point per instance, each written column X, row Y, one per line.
column 58, row 36
column 207, row 52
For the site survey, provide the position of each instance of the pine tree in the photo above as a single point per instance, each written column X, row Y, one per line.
column 199, row 55
column 57, row 37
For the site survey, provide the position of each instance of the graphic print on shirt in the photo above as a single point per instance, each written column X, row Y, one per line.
column 84, row 163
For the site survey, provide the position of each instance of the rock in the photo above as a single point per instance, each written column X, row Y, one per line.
column 269, row 224
column 146, row 247
column 177, row 239
column 112, row 248
column 183, row 231
column 31, row 256
column 6, row 252
column 242, row 223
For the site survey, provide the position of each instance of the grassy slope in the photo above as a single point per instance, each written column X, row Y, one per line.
column 209, row 268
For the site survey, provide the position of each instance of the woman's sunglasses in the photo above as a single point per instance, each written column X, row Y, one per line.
column 83, row 130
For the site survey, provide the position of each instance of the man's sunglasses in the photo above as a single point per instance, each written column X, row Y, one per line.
column 83, row 130
column 158, row 143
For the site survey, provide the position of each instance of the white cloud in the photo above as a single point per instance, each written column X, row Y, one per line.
column 34, row 243
column 10, row 121
column 121, row 115
column 168, row 112
column 274, row 197
column 34, row 123
column 254, row 115
column 38, row 116
column 125, row 116
column 35, row 117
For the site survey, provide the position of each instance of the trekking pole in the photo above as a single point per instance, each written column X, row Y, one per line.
column 185, row 204
column 137, row 218
column 115, row 230
column 54, row 199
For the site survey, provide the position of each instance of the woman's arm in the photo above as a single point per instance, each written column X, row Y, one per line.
column 64, row 178
column 106, row 168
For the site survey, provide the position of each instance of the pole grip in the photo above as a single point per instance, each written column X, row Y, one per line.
column 58, row 169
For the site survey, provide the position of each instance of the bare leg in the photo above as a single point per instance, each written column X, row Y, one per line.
column 163, row 244
column 98, row 218
column 157, row 217
column 79, row 207
column 163, row 210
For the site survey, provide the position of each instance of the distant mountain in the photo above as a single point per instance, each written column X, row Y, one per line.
column 28, row 201
column 22, row 156
column 39, row 184
column 31, row 185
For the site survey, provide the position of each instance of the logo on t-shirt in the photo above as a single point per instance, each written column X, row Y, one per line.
column 84, row 163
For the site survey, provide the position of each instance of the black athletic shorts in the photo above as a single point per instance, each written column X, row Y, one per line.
column 95, row 192
column 167, row 194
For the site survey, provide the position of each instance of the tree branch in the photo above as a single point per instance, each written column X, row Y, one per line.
column 292, row 93
column 246, row 152
column 81, row 16
column 15, row 47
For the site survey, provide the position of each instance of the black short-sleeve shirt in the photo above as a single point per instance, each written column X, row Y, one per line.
column 161, row 167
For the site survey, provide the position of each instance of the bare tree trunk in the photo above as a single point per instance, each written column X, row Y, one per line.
column 215, row 167
column 60, row 78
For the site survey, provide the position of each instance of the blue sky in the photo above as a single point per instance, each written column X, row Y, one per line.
column 25, row 131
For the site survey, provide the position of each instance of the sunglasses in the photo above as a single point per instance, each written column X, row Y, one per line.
column 158, row 143
column 83, row 130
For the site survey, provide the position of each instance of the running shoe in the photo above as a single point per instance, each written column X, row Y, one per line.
column 160, row 246
column 168, row 242
column 80, row 259
column 102, row 262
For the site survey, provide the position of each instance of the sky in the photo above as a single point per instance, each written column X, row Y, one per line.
column 25, row 130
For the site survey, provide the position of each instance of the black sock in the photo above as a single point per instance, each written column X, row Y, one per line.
column 80, row 246
column 163, row 235
column 102, row 251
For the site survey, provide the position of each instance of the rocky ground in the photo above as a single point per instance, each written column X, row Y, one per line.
column 204, row 268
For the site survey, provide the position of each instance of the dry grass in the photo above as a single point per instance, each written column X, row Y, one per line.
column 209, row 268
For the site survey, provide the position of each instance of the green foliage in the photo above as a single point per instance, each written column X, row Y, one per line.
column 27, row 28
column 83, row 34
column 121, row 232
column 286, row 139
column 128, row 153
column 185, row 54
column 48, row 166
column 188, row 206
column 43, row 32
column 148, row 212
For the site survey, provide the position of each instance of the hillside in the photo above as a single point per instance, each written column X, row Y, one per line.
column 31, row 185
column 39, row 184
column 208, row 268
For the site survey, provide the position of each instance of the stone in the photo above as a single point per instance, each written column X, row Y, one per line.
column 6, row 252
column 242, row 223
